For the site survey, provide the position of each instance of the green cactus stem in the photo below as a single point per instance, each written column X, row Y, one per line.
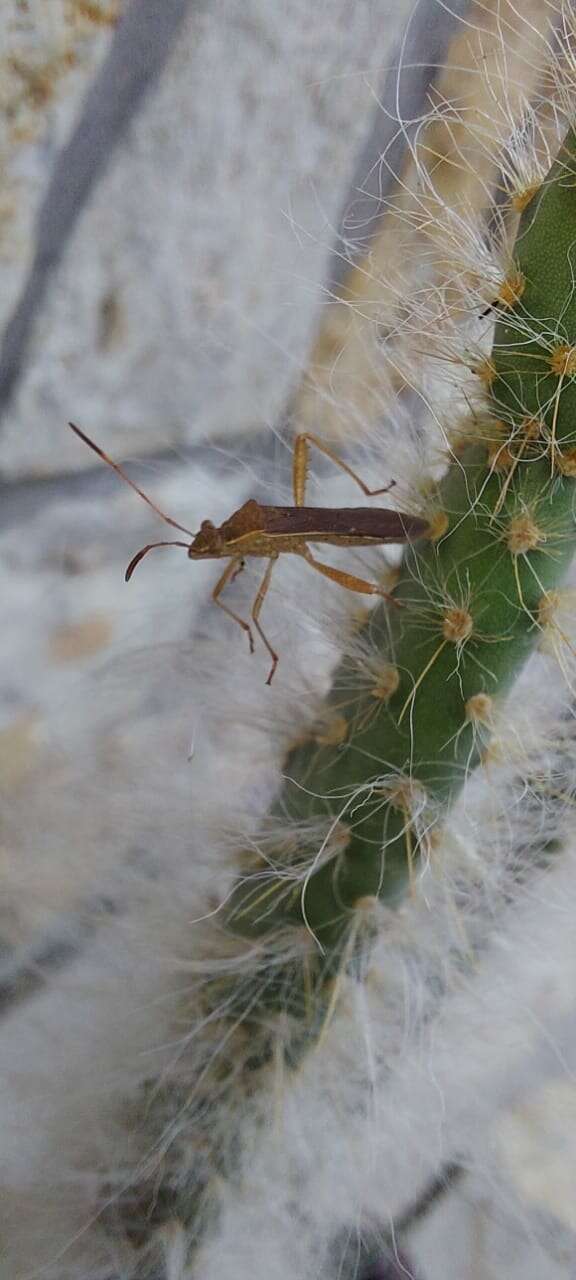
column 475, row 599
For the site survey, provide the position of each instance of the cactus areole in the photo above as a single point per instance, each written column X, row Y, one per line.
column 477, row 598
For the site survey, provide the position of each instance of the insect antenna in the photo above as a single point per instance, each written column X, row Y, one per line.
column 119, row 470
column 144, row 552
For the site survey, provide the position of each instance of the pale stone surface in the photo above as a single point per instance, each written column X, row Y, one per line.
column 50, row 50
column 512, row 1215
column 485, row 1234
column 67, row 612
column 188, row 294
column 538, row 1145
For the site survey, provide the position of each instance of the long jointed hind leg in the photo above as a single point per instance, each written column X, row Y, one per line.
column 347, row 580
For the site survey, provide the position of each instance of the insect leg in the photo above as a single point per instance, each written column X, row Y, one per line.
column 344, row 579
column 256, row 607
column 230, row 572
column 239, row 567
column 300, row 467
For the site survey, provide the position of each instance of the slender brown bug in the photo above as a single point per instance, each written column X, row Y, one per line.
column 257, row 530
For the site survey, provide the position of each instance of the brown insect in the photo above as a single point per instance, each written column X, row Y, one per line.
column 257, row 530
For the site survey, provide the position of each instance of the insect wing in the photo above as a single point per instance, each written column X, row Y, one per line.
column 374, row 524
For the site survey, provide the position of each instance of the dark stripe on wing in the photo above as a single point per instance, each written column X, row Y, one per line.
column 378, row 523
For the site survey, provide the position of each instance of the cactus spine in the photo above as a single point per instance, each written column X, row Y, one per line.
column 476, row 599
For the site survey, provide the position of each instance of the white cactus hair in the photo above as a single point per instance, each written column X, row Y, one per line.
column 156, row 1123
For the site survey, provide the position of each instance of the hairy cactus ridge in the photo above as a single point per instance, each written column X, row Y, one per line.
column 474, row 602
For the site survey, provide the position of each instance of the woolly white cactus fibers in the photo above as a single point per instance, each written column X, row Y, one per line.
column 121, row 1087
column 278, row 1042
